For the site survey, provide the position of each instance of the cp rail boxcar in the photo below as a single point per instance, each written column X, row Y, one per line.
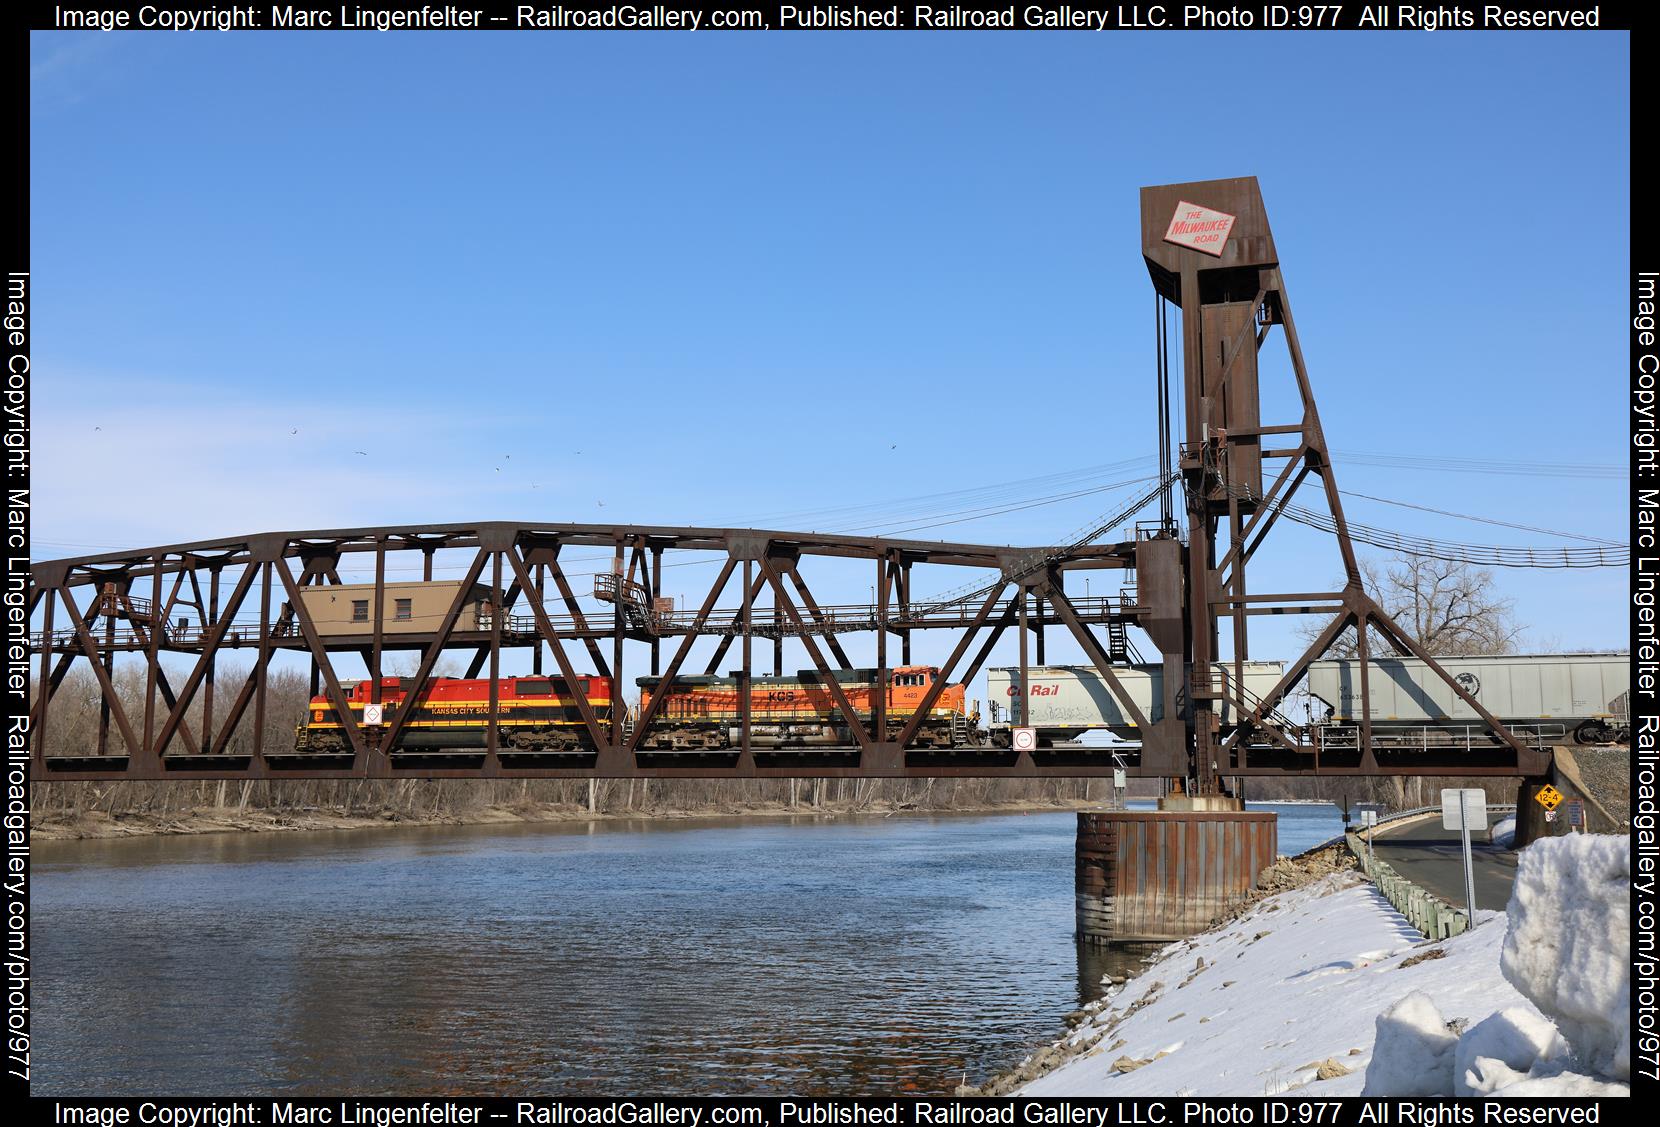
column 1545, row 696
column 533, row 714
column 705, row 712
column 1065, row 701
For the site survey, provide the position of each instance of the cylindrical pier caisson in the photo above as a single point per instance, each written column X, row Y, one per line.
column 1148, row 877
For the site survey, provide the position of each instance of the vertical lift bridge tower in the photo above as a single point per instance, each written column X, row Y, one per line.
column 1211, row 254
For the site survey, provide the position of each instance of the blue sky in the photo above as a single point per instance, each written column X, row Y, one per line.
column 813, row 271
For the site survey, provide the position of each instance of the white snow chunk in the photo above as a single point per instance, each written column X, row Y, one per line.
column 1564, row 1084
column 1414, row 1051
column 1484, row 1075
column 1502, row 1049
column 1569, row 946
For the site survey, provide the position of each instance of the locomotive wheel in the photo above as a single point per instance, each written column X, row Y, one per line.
column 541, row 739
column 324, row 743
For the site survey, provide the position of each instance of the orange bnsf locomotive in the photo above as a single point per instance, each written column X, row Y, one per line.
column 533, row 714
column 702, row 712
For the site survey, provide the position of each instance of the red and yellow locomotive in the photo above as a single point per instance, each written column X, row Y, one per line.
column 533, row 714
column 705, row 711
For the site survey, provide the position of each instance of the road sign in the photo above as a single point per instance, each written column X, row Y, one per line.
column 371, row 715
column 1369, row 819
column 1120, row 779
column 1025, row 739
column 1548, row 797
column 1550, row 815
column 1465, row 809
column 1576, row 813
column 1459, row 807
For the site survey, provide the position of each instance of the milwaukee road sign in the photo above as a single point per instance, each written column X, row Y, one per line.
column 1199, row 228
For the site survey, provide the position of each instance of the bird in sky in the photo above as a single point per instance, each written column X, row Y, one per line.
column 296, row 430
column 365, row 453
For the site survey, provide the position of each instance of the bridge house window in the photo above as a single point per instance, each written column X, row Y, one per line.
column 405, row 610
column 360, row 610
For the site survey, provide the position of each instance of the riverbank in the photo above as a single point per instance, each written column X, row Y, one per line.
column 89, row 824
column 1325, row 988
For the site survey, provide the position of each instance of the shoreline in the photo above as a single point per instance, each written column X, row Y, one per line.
column 1287, row 874
column 96, row 825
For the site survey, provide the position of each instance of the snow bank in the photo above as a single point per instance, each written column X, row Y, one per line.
column 1502, row 1049
column 1413, row 1055
column 1569, row 944
column 1285, row 997
column 1566, row 949
column 1326, row 988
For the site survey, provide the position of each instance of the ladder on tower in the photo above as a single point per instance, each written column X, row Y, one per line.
column 1118, row 641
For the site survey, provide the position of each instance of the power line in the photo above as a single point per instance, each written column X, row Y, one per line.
column 1483, row 520
column 1479, row 465
column 1481, row 555
column 1041, row 558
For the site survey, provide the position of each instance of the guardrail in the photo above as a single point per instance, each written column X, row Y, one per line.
column 1431, row 915
column 1492, row 808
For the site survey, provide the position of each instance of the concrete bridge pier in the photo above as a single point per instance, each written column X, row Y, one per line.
column 1157, row 876
column 1599, row 778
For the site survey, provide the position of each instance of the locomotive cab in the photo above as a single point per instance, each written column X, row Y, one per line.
column 908, row 684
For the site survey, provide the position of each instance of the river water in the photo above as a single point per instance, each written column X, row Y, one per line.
column 815, row 956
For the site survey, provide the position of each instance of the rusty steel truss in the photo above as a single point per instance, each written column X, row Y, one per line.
column 198, row 601
column 202, row 601
column 1210, row 253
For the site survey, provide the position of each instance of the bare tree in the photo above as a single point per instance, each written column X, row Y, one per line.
column 1451, row 609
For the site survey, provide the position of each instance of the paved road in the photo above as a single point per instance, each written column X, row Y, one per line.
column 1433, row 858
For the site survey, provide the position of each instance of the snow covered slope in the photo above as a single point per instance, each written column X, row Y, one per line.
column 1289, row 997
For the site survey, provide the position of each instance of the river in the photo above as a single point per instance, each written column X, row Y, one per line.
column 848, row 955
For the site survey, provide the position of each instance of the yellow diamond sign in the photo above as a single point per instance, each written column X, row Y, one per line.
column 1548, row 797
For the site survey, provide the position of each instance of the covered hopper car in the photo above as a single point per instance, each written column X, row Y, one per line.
column 1066, row 701
column 1544, row 697
column 534, row 714
column 704, row 712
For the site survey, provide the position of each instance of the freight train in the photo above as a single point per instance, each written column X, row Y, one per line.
column 705, row 712
column 697, row 713
column 1545, row 698
column 1066, row 701
column 1553, row 697
column 533, row 714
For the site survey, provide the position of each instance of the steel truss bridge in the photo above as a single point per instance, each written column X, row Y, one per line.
column 1210, row 256
column 204, row 601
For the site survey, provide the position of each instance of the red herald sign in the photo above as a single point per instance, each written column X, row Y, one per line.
column 1199, row 228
